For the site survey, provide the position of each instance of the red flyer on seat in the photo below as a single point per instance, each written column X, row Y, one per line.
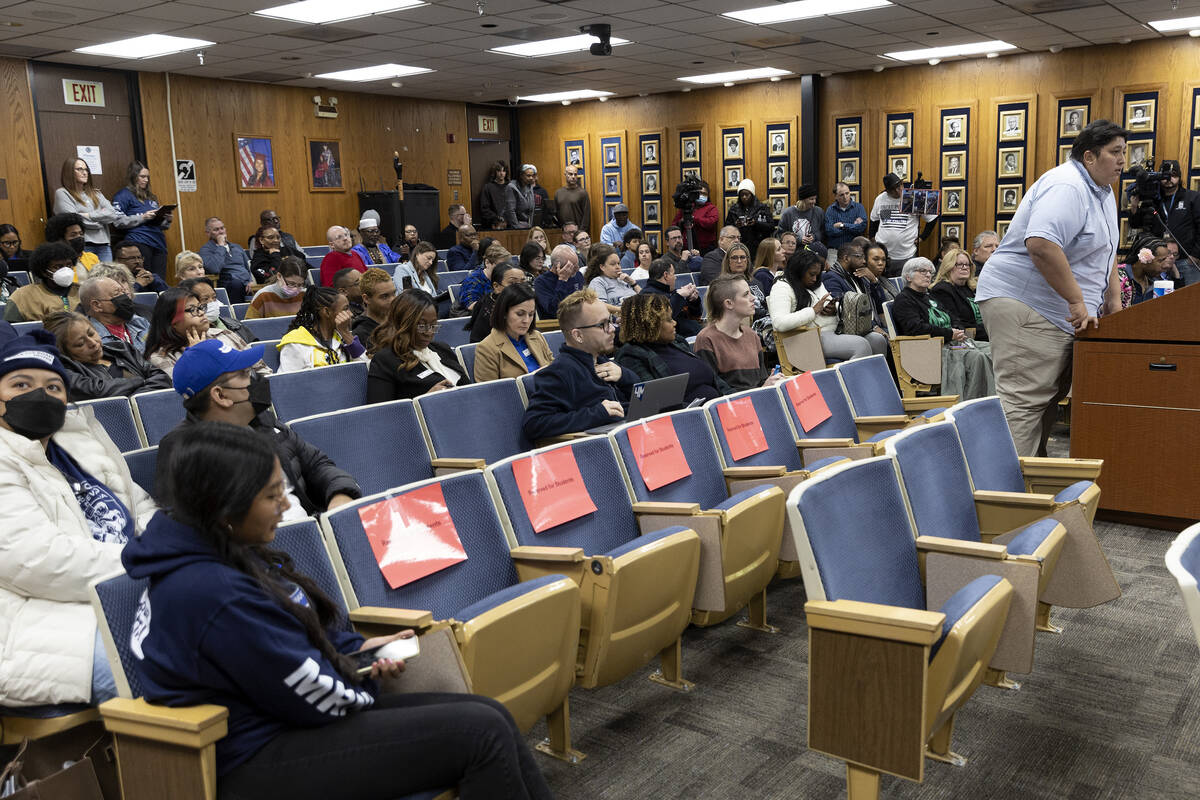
column 552, row 488
column 659, row 455
column 743, row 431
column 806, row 398
column 412, row 535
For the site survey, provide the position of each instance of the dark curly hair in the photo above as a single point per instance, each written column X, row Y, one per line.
column 642, row 316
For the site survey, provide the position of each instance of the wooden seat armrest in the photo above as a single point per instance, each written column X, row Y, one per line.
column 547, row 324
column 804, row 443
column 188, row 726
column 749, row 473
column 922, row 337
column 540, row 553
column 391, row 617
column 662, row 507
column 875, row 620
column 937, row 544
column 883, row 421
column 1017, row 499
column 1080, row 469
column 458, row 464
column 926, row 403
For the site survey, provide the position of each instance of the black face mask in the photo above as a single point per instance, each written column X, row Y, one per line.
column 35, row 415
column 76, row 245
column 260, row 393
column 123, row 307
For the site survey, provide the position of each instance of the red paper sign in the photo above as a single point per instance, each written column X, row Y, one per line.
column 806, row 398
column 552, row 488
column 412, row 535
column 659, row 455
column 743, row 431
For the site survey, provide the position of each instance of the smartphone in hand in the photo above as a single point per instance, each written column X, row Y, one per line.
column 395, row 650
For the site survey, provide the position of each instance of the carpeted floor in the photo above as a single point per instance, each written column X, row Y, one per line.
column 1112, row 710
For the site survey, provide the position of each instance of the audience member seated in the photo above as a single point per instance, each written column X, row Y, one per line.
column 563, row 278
column 650, row 348
column 220, row 385
column 1148, row 260
column 478, row 282
column 614, row 230
column 448, row 236
column 519, row 199
column 504, row 274
column 645, row 257
column 111, row 369
column 532, row 261
column 737, row 264
column 411, row 239
column 68, row 228
column 15, row 257
column 876, row 256
column 124, row 278
column 267, row 255
column 465, row 253
column 604, row 277
column 188, row 264
column 378, row 292
column 581, row 389
column 946, row 244
column 799, row 299
column 685, row 299
column 966, row 365
column 206, row 295
column 728, row 343
column 267, row 218
column 405, row 360
column 583, row 244
column 283, row 295
column 513, row 347
column 341, row 255
column 179, row 322
column 982, row 247
column 112, row 313
column 538, row 234
column 710, row 265
column 492, row 197
column 768, row 265
column 788, row 243
column 51, row 285
column 320, row 334
column 346, row 282
column 374, row 249
column 226, row 260
column 419, row 272
column 69, row 506
column 130, row 254
column 682, row 259
column 850, row 273
column 954, row 290
column 629, row 247
column 259, row 624
column 143, row 221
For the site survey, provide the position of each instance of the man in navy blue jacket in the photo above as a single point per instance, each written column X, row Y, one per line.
column 581, row 388
column 553, row 285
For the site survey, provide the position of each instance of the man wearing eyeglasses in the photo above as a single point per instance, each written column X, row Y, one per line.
column 581, row 389
column 268, row 218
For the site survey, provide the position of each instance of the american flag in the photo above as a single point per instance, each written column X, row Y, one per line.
column 245, row 160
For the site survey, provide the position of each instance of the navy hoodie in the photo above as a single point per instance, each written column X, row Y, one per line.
column 207, row 633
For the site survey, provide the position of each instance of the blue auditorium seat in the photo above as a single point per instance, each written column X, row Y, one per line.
column 268, row 327
column 314, row 391
column 141, row 465
column 476, row 421
column 115, row 415
column 157, row 413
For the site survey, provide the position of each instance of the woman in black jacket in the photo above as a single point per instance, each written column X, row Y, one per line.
column 100, row 370
column 492, row 199
column 954, row 291
column 405, row 360
column 651, row 349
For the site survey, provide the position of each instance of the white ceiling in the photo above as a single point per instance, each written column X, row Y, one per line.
column 670, row 39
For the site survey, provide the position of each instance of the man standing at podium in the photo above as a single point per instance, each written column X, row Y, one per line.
column 1053, row 276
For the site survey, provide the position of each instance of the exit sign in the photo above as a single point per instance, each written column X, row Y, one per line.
column 83, row 93
column 489, row 124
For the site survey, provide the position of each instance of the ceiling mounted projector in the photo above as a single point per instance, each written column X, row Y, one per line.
column 603, row 32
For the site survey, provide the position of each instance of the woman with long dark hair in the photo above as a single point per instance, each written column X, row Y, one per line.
column 800, row 299
column 235, row 623
column 320, row 333
column 180, row 321
column 144, row 221
column 405, row 360
column 95, row 369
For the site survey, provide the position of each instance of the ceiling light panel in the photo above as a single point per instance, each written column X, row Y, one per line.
column 969, row 49
column 144, row 46
column 802, row 9
column 555, row 97
column 1181, row 24
column 318, row 12
column 377, row 73
column 737, row 75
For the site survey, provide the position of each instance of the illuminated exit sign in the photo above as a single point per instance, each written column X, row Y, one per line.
column 489, row 124
column 83, row 93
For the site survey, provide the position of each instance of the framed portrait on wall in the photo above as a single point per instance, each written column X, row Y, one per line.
column 611, row 155
column 779, row 144
column 854, row 196
column 954, row 129
column 652, row 240
column 847, row 170
column 1126, row 235
column 1139, row 115
column 1196, row 152
column 733, row 176
column 650, row 182
column 692, row 173
column 1195, row 184
column 1002, row 229
column 690, row 146
column 899, row 165
column 608, row 210
column 324, row 165
column 1012, row 162
column 952, row 200
column 899, row 134
column 1071, row 120
column 732, row 143
column 1125, row 198
column 574, row 156
column 1012, row 125
column 777, row 202
column 777, row 179
column 1139, row 151
column 650, row 153
column 612, row 184
column 730, row 202
column 1064, row 153
column 952, row 230
column 650, row 210
column 1008, row 197
column 254, row 162
column 848, row 136
column 952, row 164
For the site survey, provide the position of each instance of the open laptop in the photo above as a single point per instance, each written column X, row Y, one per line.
column 649, row 398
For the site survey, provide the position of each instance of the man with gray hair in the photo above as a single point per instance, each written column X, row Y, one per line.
column 111, row 312
column 227, row 260
column 341, row 255
column 561, row 279
column 982, row 247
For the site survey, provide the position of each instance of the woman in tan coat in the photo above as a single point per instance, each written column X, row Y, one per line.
column 514, row 347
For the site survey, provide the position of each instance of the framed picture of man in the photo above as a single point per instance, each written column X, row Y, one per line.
column 952, row 230
column 898, row 133
column 612, row 185
column 952, row 200
column 899, row 165
column 847, row 170
column 952, row 165
column 650, row 181
column 733, row 176
column 954, row 129
column 778, row 203
column 1008, row 198
column 1064, row 153
column 690, row 148
column 692, row 173
column 732, row 145
column 652, row 239
column 1139, row 115
column 779, row 144
column 1001, row 229
column 1071, row 120
column 611, row 155
column 1012, row 162
column 650, row 153
column 608, row 210
column 650, row 210
column 575, row 156
column 324, row 165
column 255, row 162
column 1139, row 152
column 777, row 179
column 1012, row 125
column 848, row 137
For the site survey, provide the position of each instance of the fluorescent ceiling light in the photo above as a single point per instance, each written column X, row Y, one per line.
column 554, row 47
column 555, row 97
column 377, row 73
column 737, row 75
column 155, row 44
column 1181, row 24
column 317, row 12
column 972, row 49
column 803, row 9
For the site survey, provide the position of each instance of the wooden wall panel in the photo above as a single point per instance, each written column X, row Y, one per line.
column 20, row 159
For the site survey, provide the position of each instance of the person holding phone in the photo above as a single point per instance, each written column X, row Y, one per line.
column 229, row 620
column 799, row 299
column 144, row 220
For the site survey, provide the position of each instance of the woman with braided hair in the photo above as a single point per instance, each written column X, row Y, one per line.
column 320, row 333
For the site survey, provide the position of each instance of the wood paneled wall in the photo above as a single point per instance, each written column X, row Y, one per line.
column 544, row 128
column 20, row 159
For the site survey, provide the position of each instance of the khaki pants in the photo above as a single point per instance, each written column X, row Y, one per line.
column 1031, row 358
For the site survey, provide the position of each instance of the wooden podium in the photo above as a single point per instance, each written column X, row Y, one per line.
column 1135, row 402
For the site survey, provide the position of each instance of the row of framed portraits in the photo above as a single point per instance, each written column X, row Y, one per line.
column 652, row 209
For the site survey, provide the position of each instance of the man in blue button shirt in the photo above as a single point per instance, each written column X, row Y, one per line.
column 227, row 260
column 1053, row 275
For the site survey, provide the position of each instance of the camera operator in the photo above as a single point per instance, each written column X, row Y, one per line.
column 751, row 216
column 693, row 194
column 1171, row 208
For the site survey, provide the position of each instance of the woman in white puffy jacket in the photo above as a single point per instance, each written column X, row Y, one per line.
column 799, row 299
column 67, row 507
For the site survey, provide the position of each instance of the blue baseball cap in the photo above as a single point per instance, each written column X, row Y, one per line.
column 201, row 364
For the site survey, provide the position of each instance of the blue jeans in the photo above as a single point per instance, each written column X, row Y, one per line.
column 104, row 685
column 102, row 251
column 1188, row 271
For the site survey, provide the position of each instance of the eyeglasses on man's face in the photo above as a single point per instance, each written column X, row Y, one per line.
column 604, row 324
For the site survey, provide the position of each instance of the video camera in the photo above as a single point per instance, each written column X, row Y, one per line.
column 687, row 194
column 1147, row 184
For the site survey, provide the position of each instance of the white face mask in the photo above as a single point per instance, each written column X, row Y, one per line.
column 213, row 310
column 63, row 276
column 702, row 199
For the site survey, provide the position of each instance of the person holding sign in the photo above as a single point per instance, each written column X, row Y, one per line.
column 582, row 388
column 230, row 620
